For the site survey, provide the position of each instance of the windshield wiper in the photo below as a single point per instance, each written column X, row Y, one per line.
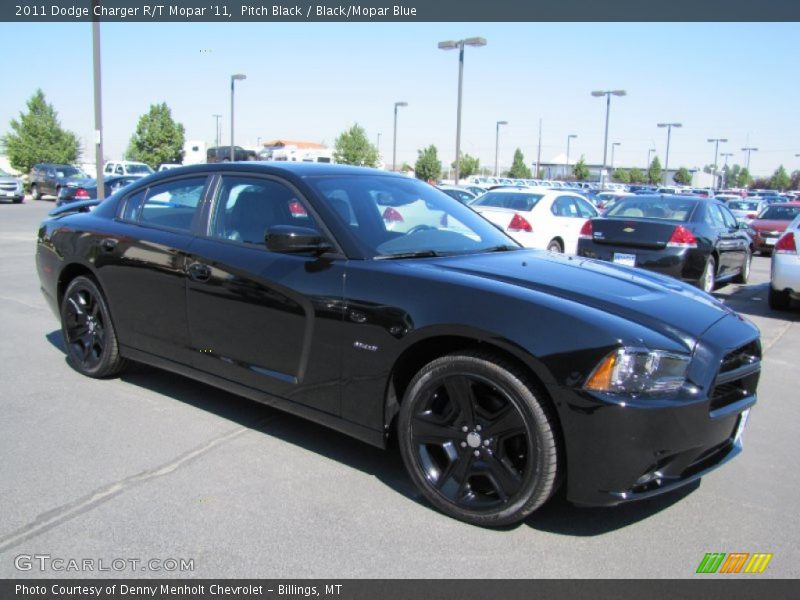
column 503, row 248
column 414, row 254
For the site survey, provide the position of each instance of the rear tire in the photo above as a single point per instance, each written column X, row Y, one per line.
column 89, row 334
column 555, row 246
column 478, row 439
column 35, row 195
column 779, row 300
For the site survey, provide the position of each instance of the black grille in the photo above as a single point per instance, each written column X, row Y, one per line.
column 738, row 376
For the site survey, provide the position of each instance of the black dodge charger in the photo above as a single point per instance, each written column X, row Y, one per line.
column 502, row 373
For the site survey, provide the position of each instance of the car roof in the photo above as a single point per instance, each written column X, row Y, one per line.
column 298, row 169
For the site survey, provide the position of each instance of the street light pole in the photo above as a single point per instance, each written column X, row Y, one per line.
column 497, row 143
column 725, row 155
column 216, row 128
column 747, row 160
column 649, row 152
column 234, row 78
column 607, row 94
column 394, row 139
column 452, row 45
column 98, row 109
column 378, row 144
column 566, row 167
column 716, row 142
column 669, row 127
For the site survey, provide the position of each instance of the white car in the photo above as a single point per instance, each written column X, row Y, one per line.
column 784, row 280
column 746, row 209
column 538, row 217
column 127, row 167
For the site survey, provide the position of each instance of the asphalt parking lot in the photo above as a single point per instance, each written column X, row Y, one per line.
column 155, row 466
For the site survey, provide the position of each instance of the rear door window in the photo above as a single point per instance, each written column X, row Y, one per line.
column 169, row 205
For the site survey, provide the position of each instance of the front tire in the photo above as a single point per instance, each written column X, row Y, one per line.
column 478, row 439
column 35, row 195
column 744, row 274
column 89, row 334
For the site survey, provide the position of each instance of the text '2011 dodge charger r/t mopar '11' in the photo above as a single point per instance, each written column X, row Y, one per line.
column 503, row 373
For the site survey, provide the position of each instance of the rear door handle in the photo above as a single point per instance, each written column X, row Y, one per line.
column 108, row 244
column 199, row 272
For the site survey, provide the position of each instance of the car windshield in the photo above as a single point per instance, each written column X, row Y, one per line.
column 512, row 200
column 668, row 209
column 399, row 217
column 4, row 174
column 139, row 169
column 742, row 205
column 69, row 173
column 780, row 213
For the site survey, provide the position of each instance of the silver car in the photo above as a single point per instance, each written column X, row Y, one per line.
column 746, row 209
column 11, row 188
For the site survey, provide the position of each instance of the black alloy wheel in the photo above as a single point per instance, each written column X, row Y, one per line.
column 89, row 334
column 477, row 441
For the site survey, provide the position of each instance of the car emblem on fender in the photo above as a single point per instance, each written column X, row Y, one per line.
column 629, row 230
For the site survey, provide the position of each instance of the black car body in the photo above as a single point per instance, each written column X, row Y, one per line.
column 693, row 239
column 502, row 372
column 223, row 154
column 46, row 179
column 86, row 189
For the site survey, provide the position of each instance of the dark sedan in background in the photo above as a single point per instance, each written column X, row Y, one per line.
column 86, row 189
column 502, row 373
column 694, row 239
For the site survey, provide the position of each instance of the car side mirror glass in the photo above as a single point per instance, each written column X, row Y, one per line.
column 744, row 225
column 292, row 239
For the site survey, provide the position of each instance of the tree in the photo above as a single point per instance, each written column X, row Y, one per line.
column 519, row 170
column 621, row 176
column 158, row 139
column 654, row 172
column 795, row 183
column 761, row 183
column 428, row 166
column 469, row 165
column 353, row 148
column 38, row 137
column 637, row 175
column 580, row 170
column 780, row 179
column 683, row 177
column 744, row 179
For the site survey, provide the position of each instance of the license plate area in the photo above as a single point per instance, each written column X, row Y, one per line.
column 629, row 260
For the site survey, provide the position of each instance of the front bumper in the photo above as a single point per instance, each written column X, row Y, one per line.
column 621, row 450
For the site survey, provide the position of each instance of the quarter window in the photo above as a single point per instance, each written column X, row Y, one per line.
column 171, row 205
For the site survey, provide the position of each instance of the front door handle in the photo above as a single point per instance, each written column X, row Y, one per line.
column 199, row 272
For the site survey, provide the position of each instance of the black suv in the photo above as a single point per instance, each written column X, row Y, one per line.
column 223, row 154
column 47, row 178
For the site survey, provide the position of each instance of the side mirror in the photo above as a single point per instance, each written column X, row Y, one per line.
column 290, row 239
column 744, row 225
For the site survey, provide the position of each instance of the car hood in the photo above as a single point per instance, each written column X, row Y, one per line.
column 656, row 301
column 9, row 180
column 769, row 225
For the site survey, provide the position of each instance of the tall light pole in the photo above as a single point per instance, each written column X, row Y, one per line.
column 747, row 160
column 452, row 45
column 234, row 78
column 570, row 137
column 669, row 127
column 497, row 143
column 613, row 147
column 378, row 144
column 216, row 128
column 607, row 94
column 649, row 152
column 725, row 155
column 394, row 139
column 98, row 108
column 716, row 142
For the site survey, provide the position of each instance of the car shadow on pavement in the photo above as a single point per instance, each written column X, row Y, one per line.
column 557, row 516
column 752, row 300
column 560, row 517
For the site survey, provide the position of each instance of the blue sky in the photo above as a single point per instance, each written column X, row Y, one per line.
column 310, row 81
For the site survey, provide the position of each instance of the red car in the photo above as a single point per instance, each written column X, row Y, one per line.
column 771, row 224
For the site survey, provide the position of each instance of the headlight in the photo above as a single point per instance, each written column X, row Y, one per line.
column 635, row 371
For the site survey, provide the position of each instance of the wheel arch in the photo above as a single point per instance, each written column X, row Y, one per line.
column 70, row 272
